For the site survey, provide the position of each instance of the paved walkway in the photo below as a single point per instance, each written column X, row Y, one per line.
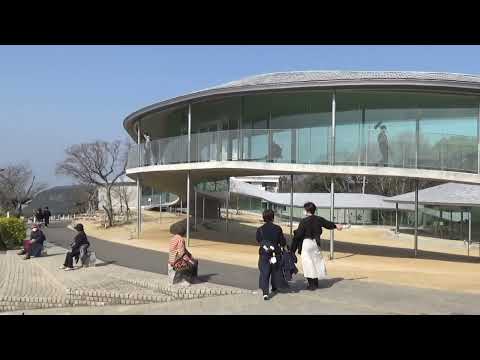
column 335, row 298
column 156, row 261
column 39, row 283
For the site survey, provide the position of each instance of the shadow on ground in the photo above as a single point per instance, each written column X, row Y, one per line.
column 245, row 235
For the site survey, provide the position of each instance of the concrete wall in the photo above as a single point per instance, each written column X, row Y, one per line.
column 132, row 197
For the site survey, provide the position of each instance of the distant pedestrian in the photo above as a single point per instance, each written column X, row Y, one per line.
column 38, row 216
column 46, row 216
column 307, row 241
column 271, row 240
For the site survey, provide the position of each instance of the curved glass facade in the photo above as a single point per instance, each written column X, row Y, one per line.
column 394, row 128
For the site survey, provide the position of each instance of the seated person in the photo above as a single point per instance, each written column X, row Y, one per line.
column 79, row 240
column 37, row 238
column 179, row 257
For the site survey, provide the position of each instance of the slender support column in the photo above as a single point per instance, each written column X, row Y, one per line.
column 461, row 225
column 181, row 206
column 139, row 188
column 332, row 207
column 139, row 208
column 332, row 183
column 397, row 228
column 227, row 204
column 291, row 205
column 451, row 223
column 203, row 210
column 160, row 209
column 469, row 231
column 416, row 218
column 478, row 144
column 195, row 211
column 417, row 139
column 188, row 207
column 189, row 132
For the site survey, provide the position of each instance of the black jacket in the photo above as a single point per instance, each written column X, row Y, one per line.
column 271, row 233
column 38, row 236
column 310, row 227
column 79, row 240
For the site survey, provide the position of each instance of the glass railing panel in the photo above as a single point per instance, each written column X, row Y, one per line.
column 448, row 152
column 441, row 151
column 281, row 146
column 395, row 147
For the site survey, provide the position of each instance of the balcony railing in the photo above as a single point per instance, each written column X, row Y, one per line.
column 313, row 146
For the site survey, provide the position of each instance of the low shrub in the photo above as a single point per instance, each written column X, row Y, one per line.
column 12, row 231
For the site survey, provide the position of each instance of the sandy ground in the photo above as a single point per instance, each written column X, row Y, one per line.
column 366, row 253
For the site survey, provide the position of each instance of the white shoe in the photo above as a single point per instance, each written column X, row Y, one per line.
column 62, row 268
column 68, row 269
column 265, row 297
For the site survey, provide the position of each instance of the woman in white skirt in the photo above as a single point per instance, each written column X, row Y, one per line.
column 306, row 240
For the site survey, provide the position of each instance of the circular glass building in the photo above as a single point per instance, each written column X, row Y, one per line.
column 407, row 124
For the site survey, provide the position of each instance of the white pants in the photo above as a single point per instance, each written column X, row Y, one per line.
column 312, row 261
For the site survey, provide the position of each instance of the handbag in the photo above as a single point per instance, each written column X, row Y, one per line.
column 182, row 265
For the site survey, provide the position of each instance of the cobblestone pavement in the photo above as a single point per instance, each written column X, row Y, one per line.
column 337, row 297
column 39, row 283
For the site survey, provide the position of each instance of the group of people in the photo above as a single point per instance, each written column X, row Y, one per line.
column 42, row 216
column 276, row 257
column 34, row 246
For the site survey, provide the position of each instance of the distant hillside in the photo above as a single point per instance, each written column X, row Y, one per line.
column 60, row 200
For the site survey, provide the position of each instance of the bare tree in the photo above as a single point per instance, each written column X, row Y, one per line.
column 124, row 195
column 18, row 187
column 99, row 163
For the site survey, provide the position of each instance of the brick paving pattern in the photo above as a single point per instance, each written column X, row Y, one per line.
column 39, row 283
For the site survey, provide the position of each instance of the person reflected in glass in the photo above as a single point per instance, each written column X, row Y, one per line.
column 382, row 140
column 148, row 148
column 306, row 241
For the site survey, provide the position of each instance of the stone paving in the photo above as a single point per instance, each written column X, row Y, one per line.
column 39, row 283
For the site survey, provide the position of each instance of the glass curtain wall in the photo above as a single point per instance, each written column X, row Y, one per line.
column 373, row 127
column 399, row 129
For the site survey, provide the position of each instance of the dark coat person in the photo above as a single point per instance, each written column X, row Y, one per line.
column 79, row 240
column 37, row 238
column 46, row 216
column 271, row 239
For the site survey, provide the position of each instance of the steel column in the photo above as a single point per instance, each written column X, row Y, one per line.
column 416, row 218
column 139, row 189
column 469, row 231
column 332, row 182
column 397, row 228
column 227, row 204
column 203, row 210
column 195, row 211
column 291, row 204
column 188, row 207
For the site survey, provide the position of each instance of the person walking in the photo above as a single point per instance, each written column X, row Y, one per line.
column 46, row 216
column 306, row 240
column 79, row 240
column 271, row 240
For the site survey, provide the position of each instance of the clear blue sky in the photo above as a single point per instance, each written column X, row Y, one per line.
column 55, row 96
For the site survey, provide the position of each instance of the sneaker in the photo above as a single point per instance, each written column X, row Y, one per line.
column 26, row 257
column 265, row 297
column 62, row 268
column 68, row 269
